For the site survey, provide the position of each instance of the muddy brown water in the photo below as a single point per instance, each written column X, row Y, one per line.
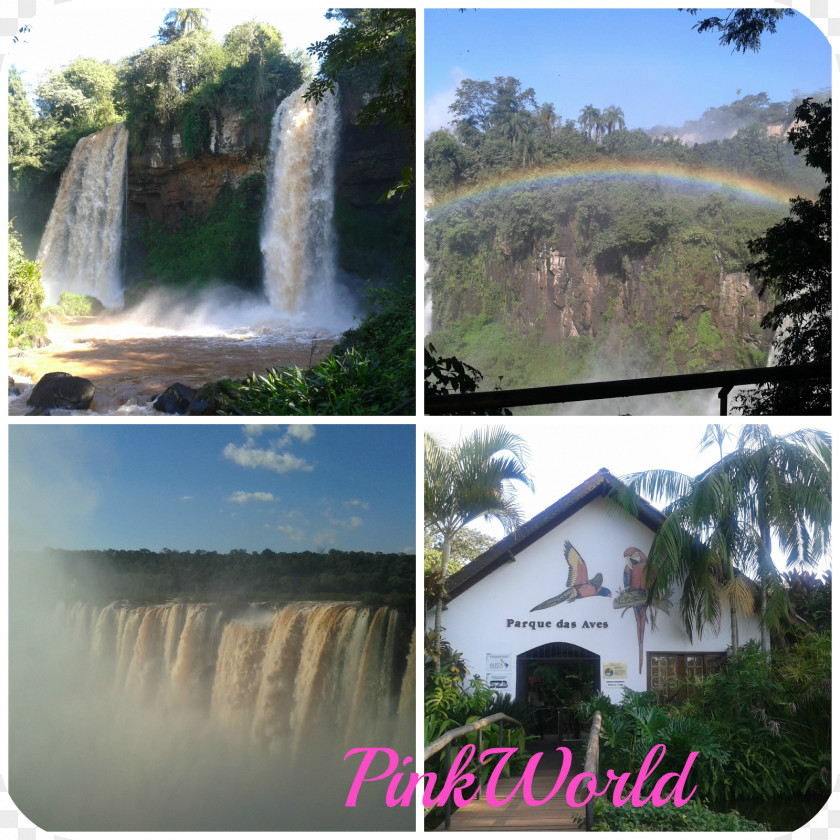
column 130, row 365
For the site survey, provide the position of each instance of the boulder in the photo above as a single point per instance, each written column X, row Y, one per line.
column 176, row 399
column 61, row 390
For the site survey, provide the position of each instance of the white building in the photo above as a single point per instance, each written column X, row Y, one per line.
column 566, row 590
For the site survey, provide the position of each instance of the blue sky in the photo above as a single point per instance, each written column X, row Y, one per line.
column 648, row 62
column 88, row 28
column 289, row 487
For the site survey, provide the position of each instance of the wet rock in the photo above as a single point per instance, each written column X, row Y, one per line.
column 176, row 399
column 61, row 390
column 38, row 340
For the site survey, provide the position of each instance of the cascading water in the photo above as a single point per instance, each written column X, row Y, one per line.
column 80, row 248
column 184, row 716
column 298, row 238
column 274, row 676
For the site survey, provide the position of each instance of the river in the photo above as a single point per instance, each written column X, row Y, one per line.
column 130, row 362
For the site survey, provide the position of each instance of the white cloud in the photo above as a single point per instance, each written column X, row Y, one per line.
column 240, row 497
column 349, row 524
column 250, row 456
column 323, row 539
column 304, row 432
column 186, row 498
column 294, row 534
column 357, row 503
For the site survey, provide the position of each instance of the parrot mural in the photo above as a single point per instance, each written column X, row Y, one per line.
column 578, row 584
column 633, row 596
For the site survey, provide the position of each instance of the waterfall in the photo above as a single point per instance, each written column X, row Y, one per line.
column 298, row 240
column 80, row 248
column 271, row 677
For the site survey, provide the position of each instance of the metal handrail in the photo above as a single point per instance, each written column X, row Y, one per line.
column 445, row 742
column 726, row 380
column 590, row 764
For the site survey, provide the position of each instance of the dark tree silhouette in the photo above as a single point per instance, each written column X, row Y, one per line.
column 794, row 264
column 742, row 28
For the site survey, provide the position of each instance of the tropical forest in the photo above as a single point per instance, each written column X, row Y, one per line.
column 748, row 538
column 566, row 248
column 204, row 199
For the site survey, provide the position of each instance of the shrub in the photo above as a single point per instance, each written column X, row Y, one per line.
column 693, row 816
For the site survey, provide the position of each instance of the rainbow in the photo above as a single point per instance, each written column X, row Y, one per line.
column 749, row 189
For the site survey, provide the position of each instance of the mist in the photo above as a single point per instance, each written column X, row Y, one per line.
column 127, row 717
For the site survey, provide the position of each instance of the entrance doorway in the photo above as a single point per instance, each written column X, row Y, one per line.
column 553, row 678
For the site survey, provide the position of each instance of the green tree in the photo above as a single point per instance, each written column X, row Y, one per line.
column 742, row 27
column 23, row 139
column 381, row 41
column 613, row 119
column 590, row 121
column 474, row 477
column 722, row 524
column 79, row 95
column 180, row 22
column 26, row 294
column 794, row 264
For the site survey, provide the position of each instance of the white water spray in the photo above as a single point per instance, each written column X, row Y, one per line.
column 80, row 248
column 298, row 238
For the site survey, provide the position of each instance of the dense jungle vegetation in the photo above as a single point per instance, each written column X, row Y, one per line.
column 645, row 258
column 235, row 576
column 180, row 85
column 176, row 84
column 761, row 725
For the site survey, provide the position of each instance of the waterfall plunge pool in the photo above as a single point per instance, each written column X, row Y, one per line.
column 131, row 361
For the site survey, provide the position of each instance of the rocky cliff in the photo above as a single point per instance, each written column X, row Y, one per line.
column 665, row 312
column 166, row 186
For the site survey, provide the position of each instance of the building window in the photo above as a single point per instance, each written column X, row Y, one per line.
column 668, row 672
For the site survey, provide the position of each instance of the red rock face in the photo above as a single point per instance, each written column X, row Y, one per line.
column 164, row 185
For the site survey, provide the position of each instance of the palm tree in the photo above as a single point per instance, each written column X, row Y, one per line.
column 613, row 118
column 547, row 119
column 589, row 119
column 178, row 22
column 472, row 478
column 721, row 525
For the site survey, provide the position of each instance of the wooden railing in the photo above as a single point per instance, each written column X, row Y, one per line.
column 445, row 743
column 725, row 380
column 590, row 764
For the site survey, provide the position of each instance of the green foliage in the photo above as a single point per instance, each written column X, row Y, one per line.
column 793, row 260
column 223, row 245
column 178, row 22
column 80, row 95
column 761, row 725
column 382, row 42
column 450, row 703
column 75, row 304
column 370, row 372
column 693, row 816
column 26, row 294
column 386, row 337
column 237, row 575
column 662, row 251
column 742, row 28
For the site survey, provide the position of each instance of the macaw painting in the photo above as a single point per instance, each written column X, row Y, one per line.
column 578, row 584
column 634, row 596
